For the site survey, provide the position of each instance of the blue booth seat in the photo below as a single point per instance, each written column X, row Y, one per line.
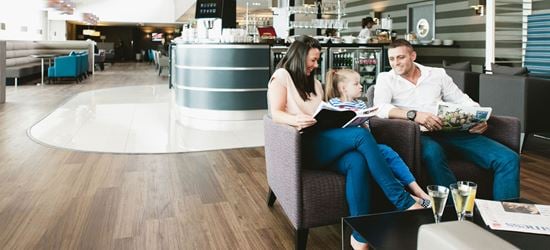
column 65, row 67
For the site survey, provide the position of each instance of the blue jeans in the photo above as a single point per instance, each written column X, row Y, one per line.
column 478, row 149
column 397, row 165
column 354, row 153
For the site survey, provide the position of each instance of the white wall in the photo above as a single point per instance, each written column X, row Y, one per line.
column 159, row 11
column 22, row 13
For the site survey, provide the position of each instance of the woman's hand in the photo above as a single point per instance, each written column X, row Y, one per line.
column 304, row 121
column 479, row 128
column 429, row 121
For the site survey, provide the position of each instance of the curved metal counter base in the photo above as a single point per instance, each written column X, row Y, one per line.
column 218, row 120
column 220, row 83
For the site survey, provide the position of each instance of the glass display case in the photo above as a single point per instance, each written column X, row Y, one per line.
column 366, row 61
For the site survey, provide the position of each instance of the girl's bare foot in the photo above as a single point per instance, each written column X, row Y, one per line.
column 357, row 245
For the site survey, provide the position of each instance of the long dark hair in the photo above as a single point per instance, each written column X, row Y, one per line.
column 295, row 63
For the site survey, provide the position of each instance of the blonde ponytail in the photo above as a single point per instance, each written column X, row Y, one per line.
column 333, row 78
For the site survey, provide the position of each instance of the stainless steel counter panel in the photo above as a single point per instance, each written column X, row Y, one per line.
column 221, row 77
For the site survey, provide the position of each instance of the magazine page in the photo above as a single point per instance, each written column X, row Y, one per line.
column 512, row 216
column 460, row 118
column 362, row 117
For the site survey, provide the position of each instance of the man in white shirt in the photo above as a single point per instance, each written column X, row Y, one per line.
column 411, row 91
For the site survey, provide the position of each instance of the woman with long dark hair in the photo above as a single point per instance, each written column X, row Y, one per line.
column 293, row 95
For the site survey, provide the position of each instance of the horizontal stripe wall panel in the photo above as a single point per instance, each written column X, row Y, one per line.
column 537, row 53
column 455, row 20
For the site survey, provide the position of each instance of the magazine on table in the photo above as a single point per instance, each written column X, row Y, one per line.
column 460, row 118
column 513, row 216
column 328, row 116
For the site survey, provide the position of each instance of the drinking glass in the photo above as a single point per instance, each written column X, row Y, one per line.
column 438, row 196
column 460, row 195
column 469, row 211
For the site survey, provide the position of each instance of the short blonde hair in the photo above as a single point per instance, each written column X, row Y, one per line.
column 335, row 77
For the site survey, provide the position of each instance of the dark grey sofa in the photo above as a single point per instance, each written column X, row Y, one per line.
column 523, row 97
column 467, row 81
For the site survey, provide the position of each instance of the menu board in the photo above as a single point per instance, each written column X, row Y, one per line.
column 208, row 9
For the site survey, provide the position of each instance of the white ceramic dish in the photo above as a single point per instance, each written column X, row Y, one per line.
column 425, row 42
column 448, row 42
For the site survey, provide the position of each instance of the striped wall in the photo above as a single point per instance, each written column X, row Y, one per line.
column 541, row 7
column 537, row 57
column 454, row 20
column 508, row 32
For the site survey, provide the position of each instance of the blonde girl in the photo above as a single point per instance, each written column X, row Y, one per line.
column 343, row 90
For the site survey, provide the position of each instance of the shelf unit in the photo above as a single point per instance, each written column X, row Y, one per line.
column 328, row 8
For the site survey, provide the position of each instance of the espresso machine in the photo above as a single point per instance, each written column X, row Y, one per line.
column 212, row 16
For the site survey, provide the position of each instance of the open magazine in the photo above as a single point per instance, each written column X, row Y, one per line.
column 512, row 216
column 328, row 116
column 461, row 118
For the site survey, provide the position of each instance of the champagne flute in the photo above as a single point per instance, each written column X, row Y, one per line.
column 469, row 211
column 438, row 196
column 460, row 195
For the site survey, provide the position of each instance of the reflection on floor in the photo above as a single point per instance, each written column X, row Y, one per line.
column 137, row 119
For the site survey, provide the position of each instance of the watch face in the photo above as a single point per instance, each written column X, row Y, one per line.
column 411, row 114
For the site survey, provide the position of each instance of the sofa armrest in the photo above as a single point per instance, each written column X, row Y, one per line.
column 283, row 166
column 506, row 130
column 402, row 135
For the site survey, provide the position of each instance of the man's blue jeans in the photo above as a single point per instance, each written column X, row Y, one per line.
column 354, row 153
column 478, row 149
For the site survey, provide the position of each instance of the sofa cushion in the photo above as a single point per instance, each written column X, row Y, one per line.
column 507, row 70
column 23, row 70
column 462, row 66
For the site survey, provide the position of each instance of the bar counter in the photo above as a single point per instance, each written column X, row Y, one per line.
column 220, row 82
column 224, row 82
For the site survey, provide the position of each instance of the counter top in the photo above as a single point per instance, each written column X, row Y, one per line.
column 288, row 44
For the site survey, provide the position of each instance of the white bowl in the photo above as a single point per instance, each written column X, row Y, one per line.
column 348, row 39
column 448, row 42
column 361, row 40
column 425, row 42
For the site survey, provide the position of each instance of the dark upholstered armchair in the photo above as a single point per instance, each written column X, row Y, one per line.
column 312, row 198
column 505, row 130
column 523, row 97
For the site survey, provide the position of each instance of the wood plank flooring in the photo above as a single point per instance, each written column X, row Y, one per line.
column 60, row 199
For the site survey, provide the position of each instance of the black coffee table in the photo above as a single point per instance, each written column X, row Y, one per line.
column 398, row 230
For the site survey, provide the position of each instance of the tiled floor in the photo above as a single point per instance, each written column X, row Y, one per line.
column 137, row 119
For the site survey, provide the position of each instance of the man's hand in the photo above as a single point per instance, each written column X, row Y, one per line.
column 479, row 128
column 304, row 121
column 429, row 121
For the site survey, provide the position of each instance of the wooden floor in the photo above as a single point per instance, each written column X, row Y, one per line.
column 61, row 199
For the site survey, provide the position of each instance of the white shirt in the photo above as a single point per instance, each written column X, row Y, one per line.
column 366, row 32
column 433, row 86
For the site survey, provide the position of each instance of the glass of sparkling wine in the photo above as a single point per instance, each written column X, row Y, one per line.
column 469, row 211
column 460, row 197
column 438, row 196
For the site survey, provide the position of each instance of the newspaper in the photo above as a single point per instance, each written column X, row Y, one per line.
column 512, row 216
column 460, row 118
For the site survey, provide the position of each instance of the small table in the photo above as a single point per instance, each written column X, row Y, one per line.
column 399, row 230
column 42, row 57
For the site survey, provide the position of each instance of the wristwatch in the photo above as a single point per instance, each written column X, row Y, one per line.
column 411, row 114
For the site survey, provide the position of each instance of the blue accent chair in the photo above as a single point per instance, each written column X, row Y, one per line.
column 64, row 67
column 83, row 56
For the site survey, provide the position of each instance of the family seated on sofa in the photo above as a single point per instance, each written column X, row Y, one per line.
column 406, row 94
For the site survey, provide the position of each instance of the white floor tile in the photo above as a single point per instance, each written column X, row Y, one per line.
column 136, row 119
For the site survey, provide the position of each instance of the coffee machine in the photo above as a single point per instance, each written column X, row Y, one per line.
column 212, row 16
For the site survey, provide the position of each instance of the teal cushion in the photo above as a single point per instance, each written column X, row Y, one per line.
column 72, row 53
